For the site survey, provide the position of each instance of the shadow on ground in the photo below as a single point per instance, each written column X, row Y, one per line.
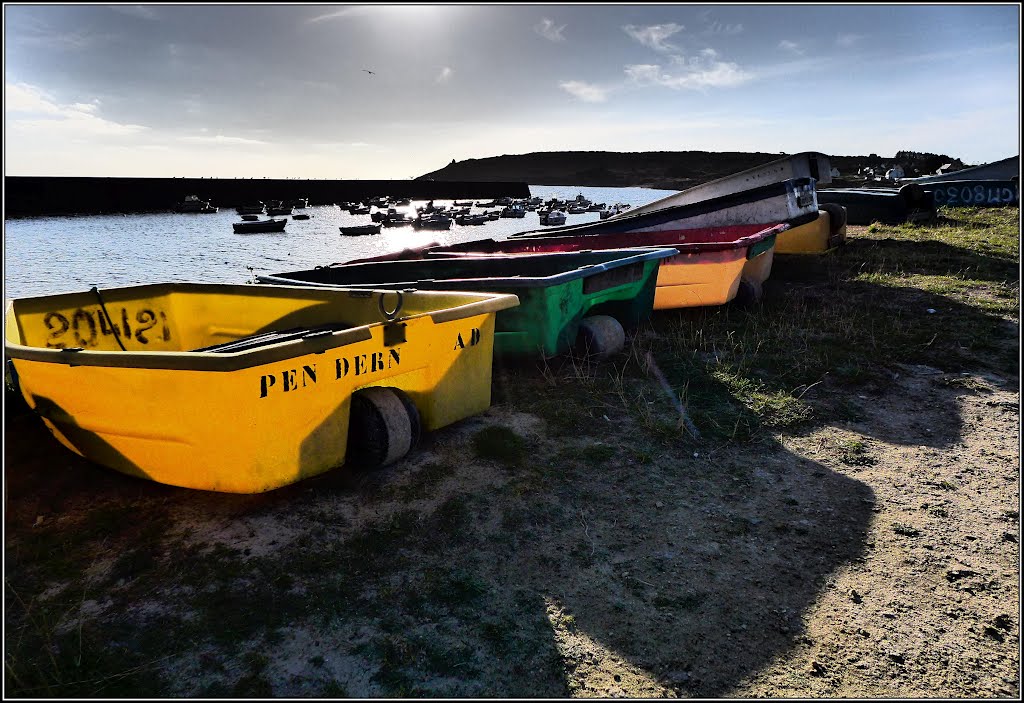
column 529, row 574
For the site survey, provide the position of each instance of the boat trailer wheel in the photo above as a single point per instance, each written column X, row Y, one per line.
column 601, row 336
column 384, row 425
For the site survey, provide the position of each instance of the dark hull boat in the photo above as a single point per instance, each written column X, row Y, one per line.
column 260, row 226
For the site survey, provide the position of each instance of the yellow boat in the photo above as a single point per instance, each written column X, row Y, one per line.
column 243, row 389
column 822, row 234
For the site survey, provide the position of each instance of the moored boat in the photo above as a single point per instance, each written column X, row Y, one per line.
column 357, row 230
column 193, row 203
column 142, row 379
column 250, row 209
column 259, row 226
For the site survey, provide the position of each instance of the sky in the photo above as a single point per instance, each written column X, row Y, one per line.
column 396, row 91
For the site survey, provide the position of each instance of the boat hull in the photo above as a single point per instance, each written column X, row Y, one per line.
column 816, row 237
column 811, row 165
column 555, row 291
column 706, row 269
column 158, row 411
column 791, row 201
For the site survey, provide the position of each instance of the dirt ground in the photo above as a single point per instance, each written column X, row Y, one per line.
column 876, row 554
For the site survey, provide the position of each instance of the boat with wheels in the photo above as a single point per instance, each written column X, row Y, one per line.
column 557, row 292
column 247, row 388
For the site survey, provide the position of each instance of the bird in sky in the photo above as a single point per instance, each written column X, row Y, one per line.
column 369, row 71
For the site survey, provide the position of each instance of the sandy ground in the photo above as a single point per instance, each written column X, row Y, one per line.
column 877, row 557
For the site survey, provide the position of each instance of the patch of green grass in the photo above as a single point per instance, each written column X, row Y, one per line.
column 500, row 444
column 854, row 452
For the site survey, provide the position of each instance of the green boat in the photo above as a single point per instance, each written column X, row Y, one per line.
column 569, row 299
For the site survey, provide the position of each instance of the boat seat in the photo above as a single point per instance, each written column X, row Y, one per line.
column 264, row 338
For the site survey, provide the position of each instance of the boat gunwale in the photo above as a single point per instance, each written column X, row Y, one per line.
column 634, row 255
column 250, row 358
column 631, row 218
column 682, row 247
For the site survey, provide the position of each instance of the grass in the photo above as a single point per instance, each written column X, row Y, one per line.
column 938, row 295
column 830, row 328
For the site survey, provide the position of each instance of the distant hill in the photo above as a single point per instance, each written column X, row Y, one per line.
column 668, row 170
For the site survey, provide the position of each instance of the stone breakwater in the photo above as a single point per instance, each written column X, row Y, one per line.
column 61, row 195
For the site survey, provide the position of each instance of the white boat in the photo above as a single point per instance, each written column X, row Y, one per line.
column 808, row 164
column 553, row 217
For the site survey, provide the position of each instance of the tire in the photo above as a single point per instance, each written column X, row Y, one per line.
column 836, row 216
column 915, row 196
column 383, row 426
column 749, row 293
column 601, row 336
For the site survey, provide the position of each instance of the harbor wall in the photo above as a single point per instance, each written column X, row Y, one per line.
column 58, row 195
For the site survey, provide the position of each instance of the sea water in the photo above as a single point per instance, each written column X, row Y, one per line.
column 64, row 254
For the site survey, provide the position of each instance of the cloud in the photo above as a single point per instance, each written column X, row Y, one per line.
column 144, row 12
column 21, row 97
column 709, row 52
column 654, row 35
column 716, row 28
column 547, row 29
column 693, row 73
column 344, row 12
column 444, row 76
column 43, row 115
column 222, row 140
column 848, row 40
column 791, row 46
column 587, row 92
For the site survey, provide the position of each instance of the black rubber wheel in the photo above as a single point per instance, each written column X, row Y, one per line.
column 601, row 336
column 836, row 216
column 749, row 293
column 383, row 426
column 915, row 195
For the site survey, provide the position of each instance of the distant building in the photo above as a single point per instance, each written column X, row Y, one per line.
column 956, row 165
column 895, row 173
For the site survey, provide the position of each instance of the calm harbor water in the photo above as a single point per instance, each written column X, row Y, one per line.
column 63, row 254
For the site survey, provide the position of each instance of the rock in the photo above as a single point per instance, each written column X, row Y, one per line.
column 855, row 597
column 896, row 657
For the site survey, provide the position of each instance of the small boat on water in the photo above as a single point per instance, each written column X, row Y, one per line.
column 557, row 292
column 433, row 222
column 247, row 388
column 192, row 203
column 250, row 218
column 301, row 216
column 358, row 230
column 552, row 217
column 517, row 211
column 259, row 226
column 471, row 219
column 250, row 209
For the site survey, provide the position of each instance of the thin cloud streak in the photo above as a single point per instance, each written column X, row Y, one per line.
column 791, row 46
column 654, row 35
column 587, row 92
column 547, row 29
column 689, row 74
